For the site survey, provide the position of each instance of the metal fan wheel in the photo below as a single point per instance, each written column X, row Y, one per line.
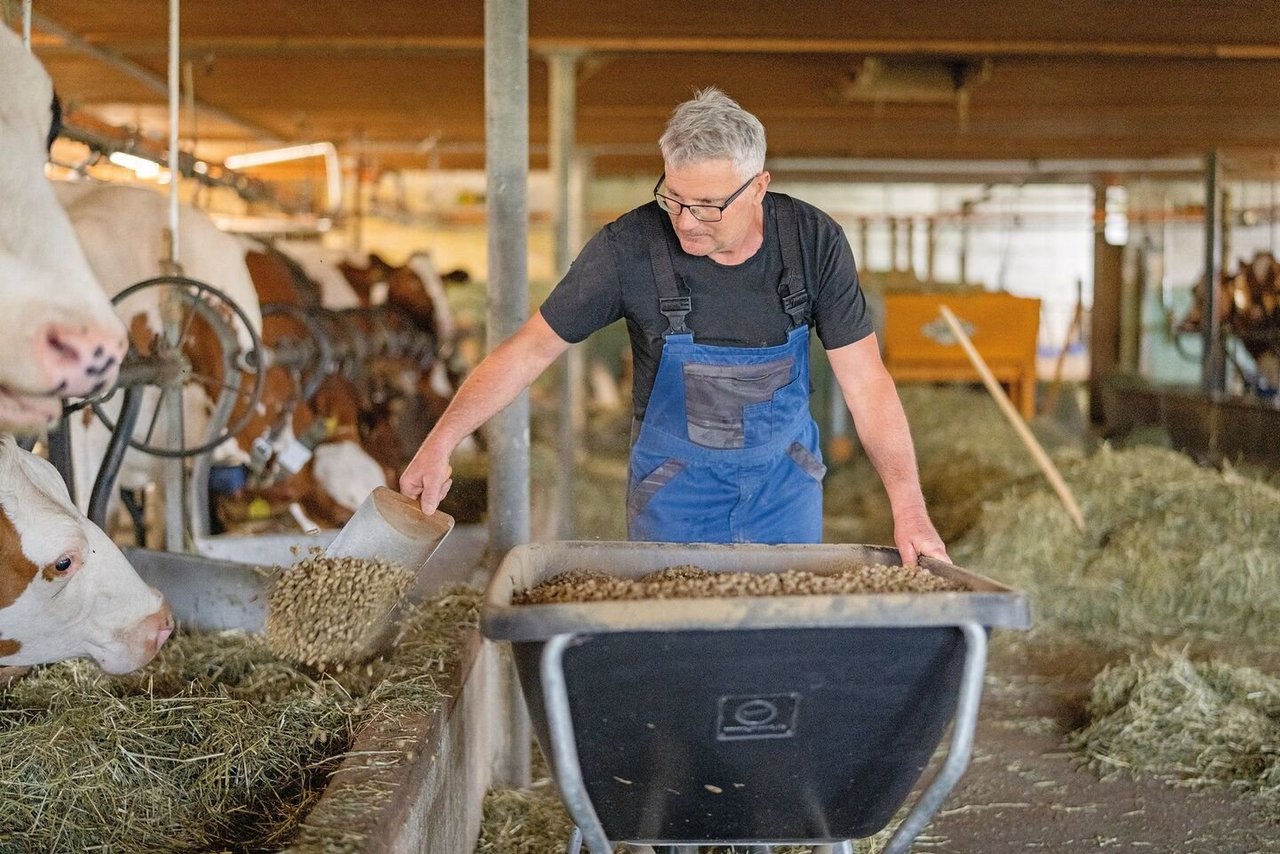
column 177, row 358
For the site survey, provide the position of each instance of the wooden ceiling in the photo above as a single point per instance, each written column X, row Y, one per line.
column 403, row 80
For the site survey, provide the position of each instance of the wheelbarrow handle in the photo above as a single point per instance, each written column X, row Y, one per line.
column 564, row 747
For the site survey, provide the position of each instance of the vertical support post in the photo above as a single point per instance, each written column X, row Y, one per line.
column 506, row 77
column 175, row 505
column 930, row 247
column 506, row 118
column 910, row 225
column 1213, row 373
column 563, row 85
column 894, row 224
column 26, row 24
column 1104, row 318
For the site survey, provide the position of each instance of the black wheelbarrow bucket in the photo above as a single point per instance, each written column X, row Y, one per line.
column 753, row 720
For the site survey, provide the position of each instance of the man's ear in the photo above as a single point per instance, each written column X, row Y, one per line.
column 764, row 183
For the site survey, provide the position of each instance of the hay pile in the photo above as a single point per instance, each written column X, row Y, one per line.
column 1193, row 724
column 1171, row 549
column 216, row 745
column 967, row 454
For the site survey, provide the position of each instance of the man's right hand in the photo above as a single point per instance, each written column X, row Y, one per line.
column 427, row 477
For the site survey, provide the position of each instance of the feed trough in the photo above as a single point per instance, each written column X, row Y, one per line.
column 749, row 720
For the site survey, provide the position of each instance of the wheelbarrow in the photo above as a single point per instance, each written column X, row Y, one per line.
column 747, row 721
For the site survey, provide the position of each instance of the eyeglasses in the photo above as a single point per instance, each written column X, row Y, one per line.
column 702, row 213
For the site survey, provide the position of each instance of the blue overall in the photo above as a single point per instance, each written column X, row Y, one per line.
column 727, row 451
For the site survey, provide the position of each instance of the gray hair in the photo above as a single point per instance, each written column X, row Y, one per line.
column 711, row 126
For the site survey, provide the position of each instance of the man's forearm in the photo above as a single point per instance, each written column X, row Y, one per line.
column 495, row 383
column 884, row 434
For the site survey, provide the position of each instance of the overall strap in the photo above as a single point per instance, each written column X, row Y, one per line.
column 673, row 306
column 795, row 297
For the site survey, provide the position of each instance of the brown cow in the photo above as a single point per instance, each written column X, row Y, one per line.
column 303, row 443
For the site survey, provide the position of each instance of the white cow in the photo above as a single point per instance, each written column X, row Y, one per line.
column 58, row 334
column 66, row 591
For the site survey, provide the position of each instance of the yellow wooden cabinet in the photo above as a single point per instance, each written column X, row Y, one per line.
column 919, row 347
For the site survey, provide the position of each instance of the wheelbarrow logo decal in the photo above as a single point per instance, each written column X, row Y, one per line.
column 757, row 716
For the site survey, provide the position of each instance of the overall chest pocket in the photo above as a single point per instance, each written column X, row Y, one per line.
column 720, row 401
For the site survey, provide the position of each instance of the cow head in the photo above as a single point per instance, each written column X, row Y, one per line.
column 66, row 591
column 59, row 336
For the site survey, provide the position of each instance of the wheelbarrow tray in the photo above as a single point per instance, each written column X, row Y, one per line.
column 745, row 719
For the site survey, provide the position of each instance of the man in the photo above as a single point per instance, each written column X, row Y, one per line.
column 719, row 282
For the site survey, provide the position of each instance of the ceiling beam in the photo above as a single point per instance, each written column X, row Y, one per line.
column 391, row 45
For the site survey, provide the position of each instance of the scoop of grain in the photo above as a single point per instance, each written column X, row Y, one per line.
column 320, row 611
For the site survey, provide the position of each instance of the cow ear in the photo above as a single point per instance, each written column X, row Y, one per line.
column 45, row 476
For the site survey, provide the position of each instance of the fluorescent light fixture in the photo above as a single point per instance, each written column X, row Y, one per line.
column 333, row 170
column 140, row 166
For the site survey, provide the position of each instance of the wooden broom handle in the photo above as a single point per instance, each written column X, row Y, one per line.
column 1006, row 406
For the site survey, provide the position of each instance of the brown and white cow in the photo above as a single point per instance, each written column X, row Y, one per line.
column 58, row 334
column 120, row 229
column 66, row 590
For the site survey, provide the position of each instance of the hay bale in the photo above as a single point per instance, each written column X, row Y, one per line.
column 216, row 745
column 1171, row 549
column 1193, row 724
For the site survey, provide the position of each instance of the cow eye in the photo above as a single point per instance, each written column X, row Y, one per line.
column 63, row 563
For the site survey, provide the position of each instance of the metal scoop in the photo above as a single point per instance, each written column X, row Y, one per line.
column 388, row 526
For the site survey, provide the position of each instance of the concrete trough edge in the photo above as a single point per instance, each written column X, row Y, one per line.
column 437, row 794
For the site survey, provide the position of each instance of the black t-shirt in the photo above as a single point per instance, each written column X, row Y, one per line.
column 733, row 306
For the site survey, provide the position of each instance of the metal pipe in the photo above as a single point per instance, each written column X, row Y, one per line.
column 1008, row 168
column 175, row 505
column 564, row 747
column 506, row 79
column 58, row 452
column 175, row 105
column 1213, row 371
column 631, row 43
column 563, row 90
column 105, row 481
column 930, row 247
column 894, row 223
column 26, row 24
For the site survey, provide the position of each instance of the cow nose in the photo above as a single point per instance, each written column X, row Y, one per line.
column 79, row 360
column 163, row 621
